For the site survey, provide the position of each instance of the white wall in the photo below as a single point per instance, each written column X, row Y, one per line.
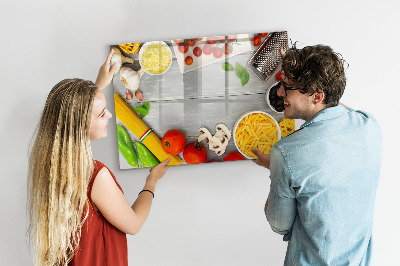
column 207, row 214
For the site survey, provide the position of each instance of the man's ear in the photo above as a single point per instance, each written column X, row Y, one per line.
column 318, row 97
column 282, row 52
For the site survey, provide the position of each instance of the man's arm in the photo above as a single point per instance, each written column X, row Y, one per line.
column 280, row 208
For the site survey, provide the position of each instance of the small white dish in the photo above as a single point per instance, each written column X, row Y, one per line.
column 276, row 109
column 240, row 119
column 145, row 46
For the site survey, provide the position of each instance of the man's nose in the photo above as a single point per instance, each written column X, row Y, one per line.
column 281, row 92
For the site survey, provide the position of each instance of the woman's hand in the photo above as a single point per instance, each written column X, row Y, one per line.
column 263, row 159
column 105, row 73
column 158, row 171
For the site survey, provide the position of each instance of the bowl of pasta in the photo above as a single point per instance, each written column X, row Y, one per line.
column 255, row 129
column 155, row 57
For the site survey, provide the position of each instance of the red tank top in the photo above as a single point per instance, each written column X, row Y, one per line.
column 101, row 243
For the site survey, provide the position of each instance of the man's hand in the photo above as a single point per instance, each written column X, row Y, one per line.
column 105, row 73
column 263, row 159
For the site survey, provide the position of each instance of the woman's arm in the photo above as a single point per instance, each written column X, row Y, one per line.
column 105, row 75
column 345, row 106
column 114, row 206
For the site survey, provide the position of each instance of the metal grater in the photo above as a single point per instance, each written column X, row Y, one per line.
column 268, row 58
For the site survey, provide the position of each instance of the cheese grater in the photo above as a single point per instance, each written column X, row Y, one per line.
column 268, row 58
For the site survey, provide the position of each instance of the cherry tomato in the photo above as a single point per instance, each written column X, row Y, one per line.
column 207, row 49
column 211, row 40
column 183, row 48
column 188, row 60
column 195, row 153
column 217, row 52
column 173, row 141
column 197, row 51
column 233, row 156
column 199, row 39
column 263, row 34
column 191, row 42
column 228, row 48
column 256, row 40
column 221, row 38
column 178, row 41
column 278, row 75
column 231, row 38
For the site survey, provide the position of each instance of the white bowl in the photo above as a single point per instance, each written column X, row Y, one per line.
column 144, row 47
column 267, row 98
column 243, row 116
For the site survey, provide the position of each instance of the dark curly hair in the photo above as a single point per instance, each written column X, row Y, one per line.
column 316, row 69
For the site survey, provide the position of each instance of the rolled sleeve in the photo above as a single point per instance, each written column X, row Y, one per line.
column 281, row 210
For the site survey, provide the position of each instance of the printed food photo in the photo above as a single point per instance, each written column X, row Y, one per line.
column 198, row 99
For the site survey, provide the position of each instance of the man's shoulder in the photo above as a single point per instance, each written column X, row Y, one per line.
column 293, row 142
column 350, row 123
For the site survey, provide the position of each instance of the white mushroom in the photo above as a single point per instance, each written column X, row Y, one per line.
column 205, row 135
column 119, row 59
column 223, row 130
column 131, row 78
column 219, row 141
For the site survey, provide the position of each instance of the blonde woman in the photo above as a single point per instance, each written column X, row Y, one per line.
column 78, row 212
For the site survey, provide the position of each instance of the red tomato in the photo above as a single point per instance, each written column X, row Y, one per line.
column 191, row 42
column 199, row 39
column 256, row 40
column 278, row 75
column 231, row 38
column 173, row 142
column 211, row 40
column 183, row 48
column 207, row 49
column 188, row 60
column 178, row 41
column 197, row 51
column 233, row 156
column 228, row 48
column 195, row 153
column 263, row 34
column 217, row 52
column 221, row 38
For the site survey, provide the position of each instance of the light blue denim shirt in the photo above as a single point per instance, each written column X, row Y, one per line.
column 323, row 183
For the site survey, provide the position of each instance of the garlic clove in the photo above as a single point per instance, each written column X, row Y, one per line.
column 128, row 95
column 139, row 95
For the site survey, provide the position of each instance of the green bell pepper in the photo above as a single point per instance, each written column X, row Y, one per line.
column 125, row 146
column 145, row 156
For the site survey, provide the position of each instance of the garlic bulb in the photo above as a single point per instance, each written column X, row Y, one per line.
column 131, row 78
column 119, row 59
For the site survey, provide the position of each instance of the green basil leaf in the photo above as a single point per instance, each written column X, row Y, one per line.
column 239, row 69
column 142, row 111
column 227, row 67
column 146, row 106
column 245, row 77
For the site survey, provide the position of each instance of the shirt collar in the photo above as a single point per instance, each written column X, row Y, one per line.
column 326, row 114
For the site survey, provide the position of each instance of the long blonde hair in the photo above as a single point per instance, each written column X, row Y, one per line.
column 60, row 168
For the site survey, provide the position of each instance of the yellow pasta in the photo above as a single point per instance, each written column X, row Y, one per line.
column 129, row 48
column 156, row 58
column 287, row 126
column 256, row 130
column 129, row 118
